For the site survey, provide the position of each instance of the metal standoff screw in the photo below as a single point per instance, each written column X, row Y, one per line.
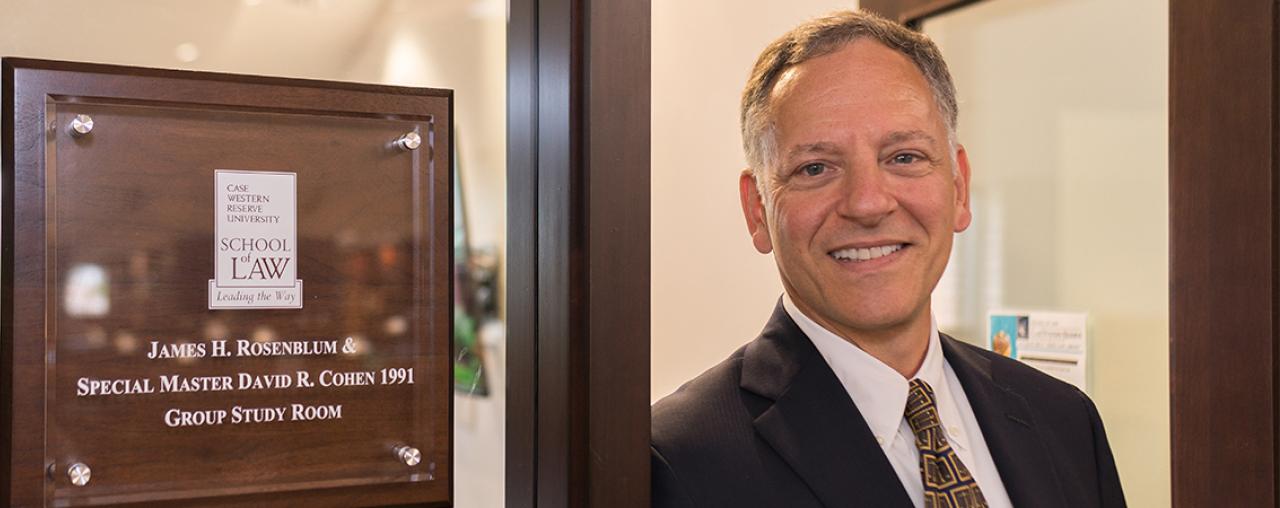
column 81, row 125
column 409, row 455
column 409, row 141
column 79, row 474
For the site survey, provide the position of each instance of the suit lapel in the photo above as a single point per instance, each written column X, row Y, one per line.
column 813, row 424
column 1026, row 466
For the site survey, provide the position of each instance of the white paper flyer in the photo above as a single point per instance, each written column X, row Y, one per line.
column 1053, row 342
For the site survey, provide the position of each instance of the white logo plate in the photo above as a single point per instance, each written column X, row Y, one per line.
column 255, row 247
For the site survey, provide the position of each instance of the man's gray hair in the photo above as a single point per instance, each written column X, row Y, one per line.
column 822, row 36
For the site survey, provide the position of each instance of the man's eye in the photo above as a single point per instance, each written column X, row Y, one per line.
column 813, row 169
column 906, row 158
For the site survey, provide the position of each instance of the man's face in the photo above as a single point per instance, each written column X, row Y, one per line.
column 864, row 198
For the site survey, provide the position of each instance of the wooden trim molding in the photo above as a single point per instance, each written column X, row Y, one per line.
column 617, row 111
column 578, row 245
column 522, row 248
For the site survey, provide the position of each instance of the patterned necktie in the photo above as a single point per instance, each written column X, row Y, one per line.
column 947, row 483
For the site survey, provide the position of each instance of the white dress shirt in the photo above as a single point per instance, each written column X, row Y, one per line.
column 880, row 394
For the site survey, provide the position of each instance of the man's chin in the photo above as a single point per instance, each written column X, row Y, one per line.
column 872, row 323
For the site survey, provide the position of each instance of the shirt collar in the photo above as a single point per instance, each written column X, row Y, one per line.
column 879, row 392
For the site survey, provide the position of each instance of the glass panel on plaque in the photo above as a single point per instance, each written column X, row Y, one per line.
column 240, row 301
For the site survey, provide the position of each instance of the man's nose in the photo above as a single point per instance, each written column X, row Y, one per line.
column 867, row 196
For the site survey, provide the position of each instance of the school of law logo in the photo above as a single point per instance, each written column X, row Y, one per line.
column 256, row 240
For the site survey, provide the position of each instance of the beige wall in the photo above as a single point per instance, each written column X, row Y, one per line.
column 711, row 291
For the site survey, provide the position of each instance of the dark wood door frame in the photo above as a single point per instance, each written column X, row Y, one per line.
column 1223, row 242
column 1222, row 251
column 578, row 253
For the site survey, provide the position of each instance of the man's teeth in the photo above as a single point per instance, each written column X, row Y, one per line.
column 866, row 253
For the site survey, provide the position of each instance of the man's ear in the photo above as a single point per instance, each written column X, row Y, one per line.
column 753, row 210
column 963, row 214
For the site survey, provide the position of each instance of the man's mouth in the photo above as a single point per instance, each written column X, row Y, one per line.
column 859, row 254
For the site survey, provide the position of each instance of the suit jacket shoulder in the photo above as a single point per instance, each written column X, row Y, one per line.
column 769, row 426
column 705, row 451
column 1045, row 435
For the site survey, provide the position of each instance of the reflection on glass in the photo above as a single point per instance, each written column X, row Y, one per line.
column 126, row 343
column 87, row 292
column 475, row 304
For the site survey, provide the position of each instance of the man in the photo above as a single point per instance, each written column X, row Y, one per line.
column 850, row 396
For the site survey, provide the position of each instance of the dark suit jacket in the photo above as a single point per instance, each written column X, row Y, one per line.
column 773, row 426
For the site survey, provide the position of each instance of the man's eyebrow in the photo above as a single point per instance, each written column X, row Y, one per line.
column 821, row 147
column 911, row 135
column 829, row 148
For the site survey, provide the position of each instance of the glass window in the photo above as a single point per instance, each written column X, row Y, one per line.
column 1063, row 112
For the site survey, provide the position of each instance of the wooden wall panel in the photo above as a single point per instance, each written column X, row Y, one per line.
column 617, row 139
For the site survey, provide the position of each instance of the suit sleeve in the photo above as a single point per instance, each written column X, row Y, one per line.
column 1110, row 494
column 667, row 491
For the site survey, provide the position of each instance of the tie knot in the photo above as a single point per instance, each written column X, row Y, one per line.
column 918, row 384
column 922, row 408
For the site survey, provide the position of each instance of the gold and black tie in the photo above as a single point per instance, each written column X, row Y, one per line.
column 947, row 483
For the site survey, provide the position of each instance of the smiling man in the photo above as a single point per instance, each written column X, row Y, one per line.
column 850, row 396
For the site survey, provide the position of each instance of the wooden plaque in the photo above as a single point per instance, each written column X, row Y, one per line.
column 223, row 290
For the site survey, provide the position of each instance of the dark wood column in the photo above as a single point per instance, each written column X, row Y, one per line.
column 578, row 270
column 1223, row 247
